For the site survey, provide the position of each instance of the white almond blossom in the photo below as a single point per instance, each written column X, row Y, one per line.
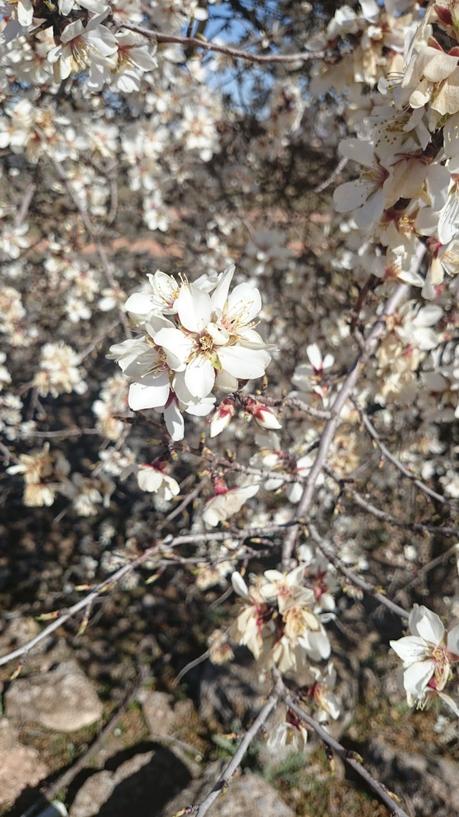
column 194, row 341
column 153, row 479
column 428, row 655
column 227, row 503
column 83, row 47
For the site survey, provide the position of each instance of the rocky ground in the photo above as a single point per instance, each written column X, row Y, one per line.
column 154, row 753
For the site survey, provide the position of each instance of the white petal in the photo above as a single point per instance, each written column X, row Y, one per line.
column 370, row 10
column 220, row 293
column 152, row 391
column 451, row 136
column 174, row 421
column 371, row 211
column 149, row 478
column 410, row 648
column 450, row 702
column 426, row 624
column 358, row 150
column 194, row 308
column 177, row 345
column 452, row 641
column 200, row 376
column 239, row 585
column 226, row 381
column 243, row 363
column 448, row 221
column 417, row 677
column 314, row 354
column 140, row 303
column 201, row 408
column 316, row 644
column 243, row 305
column 219, row 508
column 428, row 315
column 350, row 195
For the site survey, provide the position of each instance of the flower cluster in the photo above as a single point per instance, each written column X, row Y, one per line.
column 196, row 337
column 280, row 623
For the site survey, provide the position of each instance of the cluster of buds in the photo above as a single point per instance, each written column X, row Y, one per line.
column 263, row 415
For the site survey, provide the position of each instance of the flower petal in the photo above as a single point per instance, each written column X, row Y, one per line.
column 452, row 641
column 174, row 421
column 194, row 307
column 410, row 648
column 426, row 624
column 243, row 363
column 151, row 391
column 239, row 585
column 416, row 678
column 177, row 345
column 220, row 293
column 243, row 304
column 200, row 376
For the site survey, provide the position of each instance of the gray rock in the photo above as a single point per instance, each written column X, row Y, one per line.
column 427, row 783
column 246, row 796
column 140, row 786
column 93, row 794
column 20, row 766
column 163, row 715
column 63, row 700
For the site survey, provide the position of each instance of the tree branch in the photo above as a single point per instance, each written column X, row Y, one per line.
column 348, row 757
column 229, row 51
column 393, row 459
column 344, row 393
column 222, row 782
column 328, row 551
column 88, row 600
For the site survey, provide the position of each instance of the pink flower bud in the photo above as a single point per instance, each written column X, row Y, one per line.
column 222, row 417
column 443, row 14
column 262, row 415
column 220, row 486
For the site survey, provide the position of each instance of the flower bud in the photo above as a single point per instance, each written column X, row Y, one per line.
column 262, row 415
column 220, row 486
column 222, row 417
column 443, row 14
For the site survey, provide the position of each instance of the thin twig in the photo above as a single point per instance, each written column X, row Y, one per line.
column 229, row 51
column 348, row 757
column 125, row 570
column 394, row 460
column 344, row 393
column 384, row 516
column 222, row 782
column 295, row 402
column 328, row 551
column 331, row 178
column 93, row 235
column 422, row 571
column 25, row 204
